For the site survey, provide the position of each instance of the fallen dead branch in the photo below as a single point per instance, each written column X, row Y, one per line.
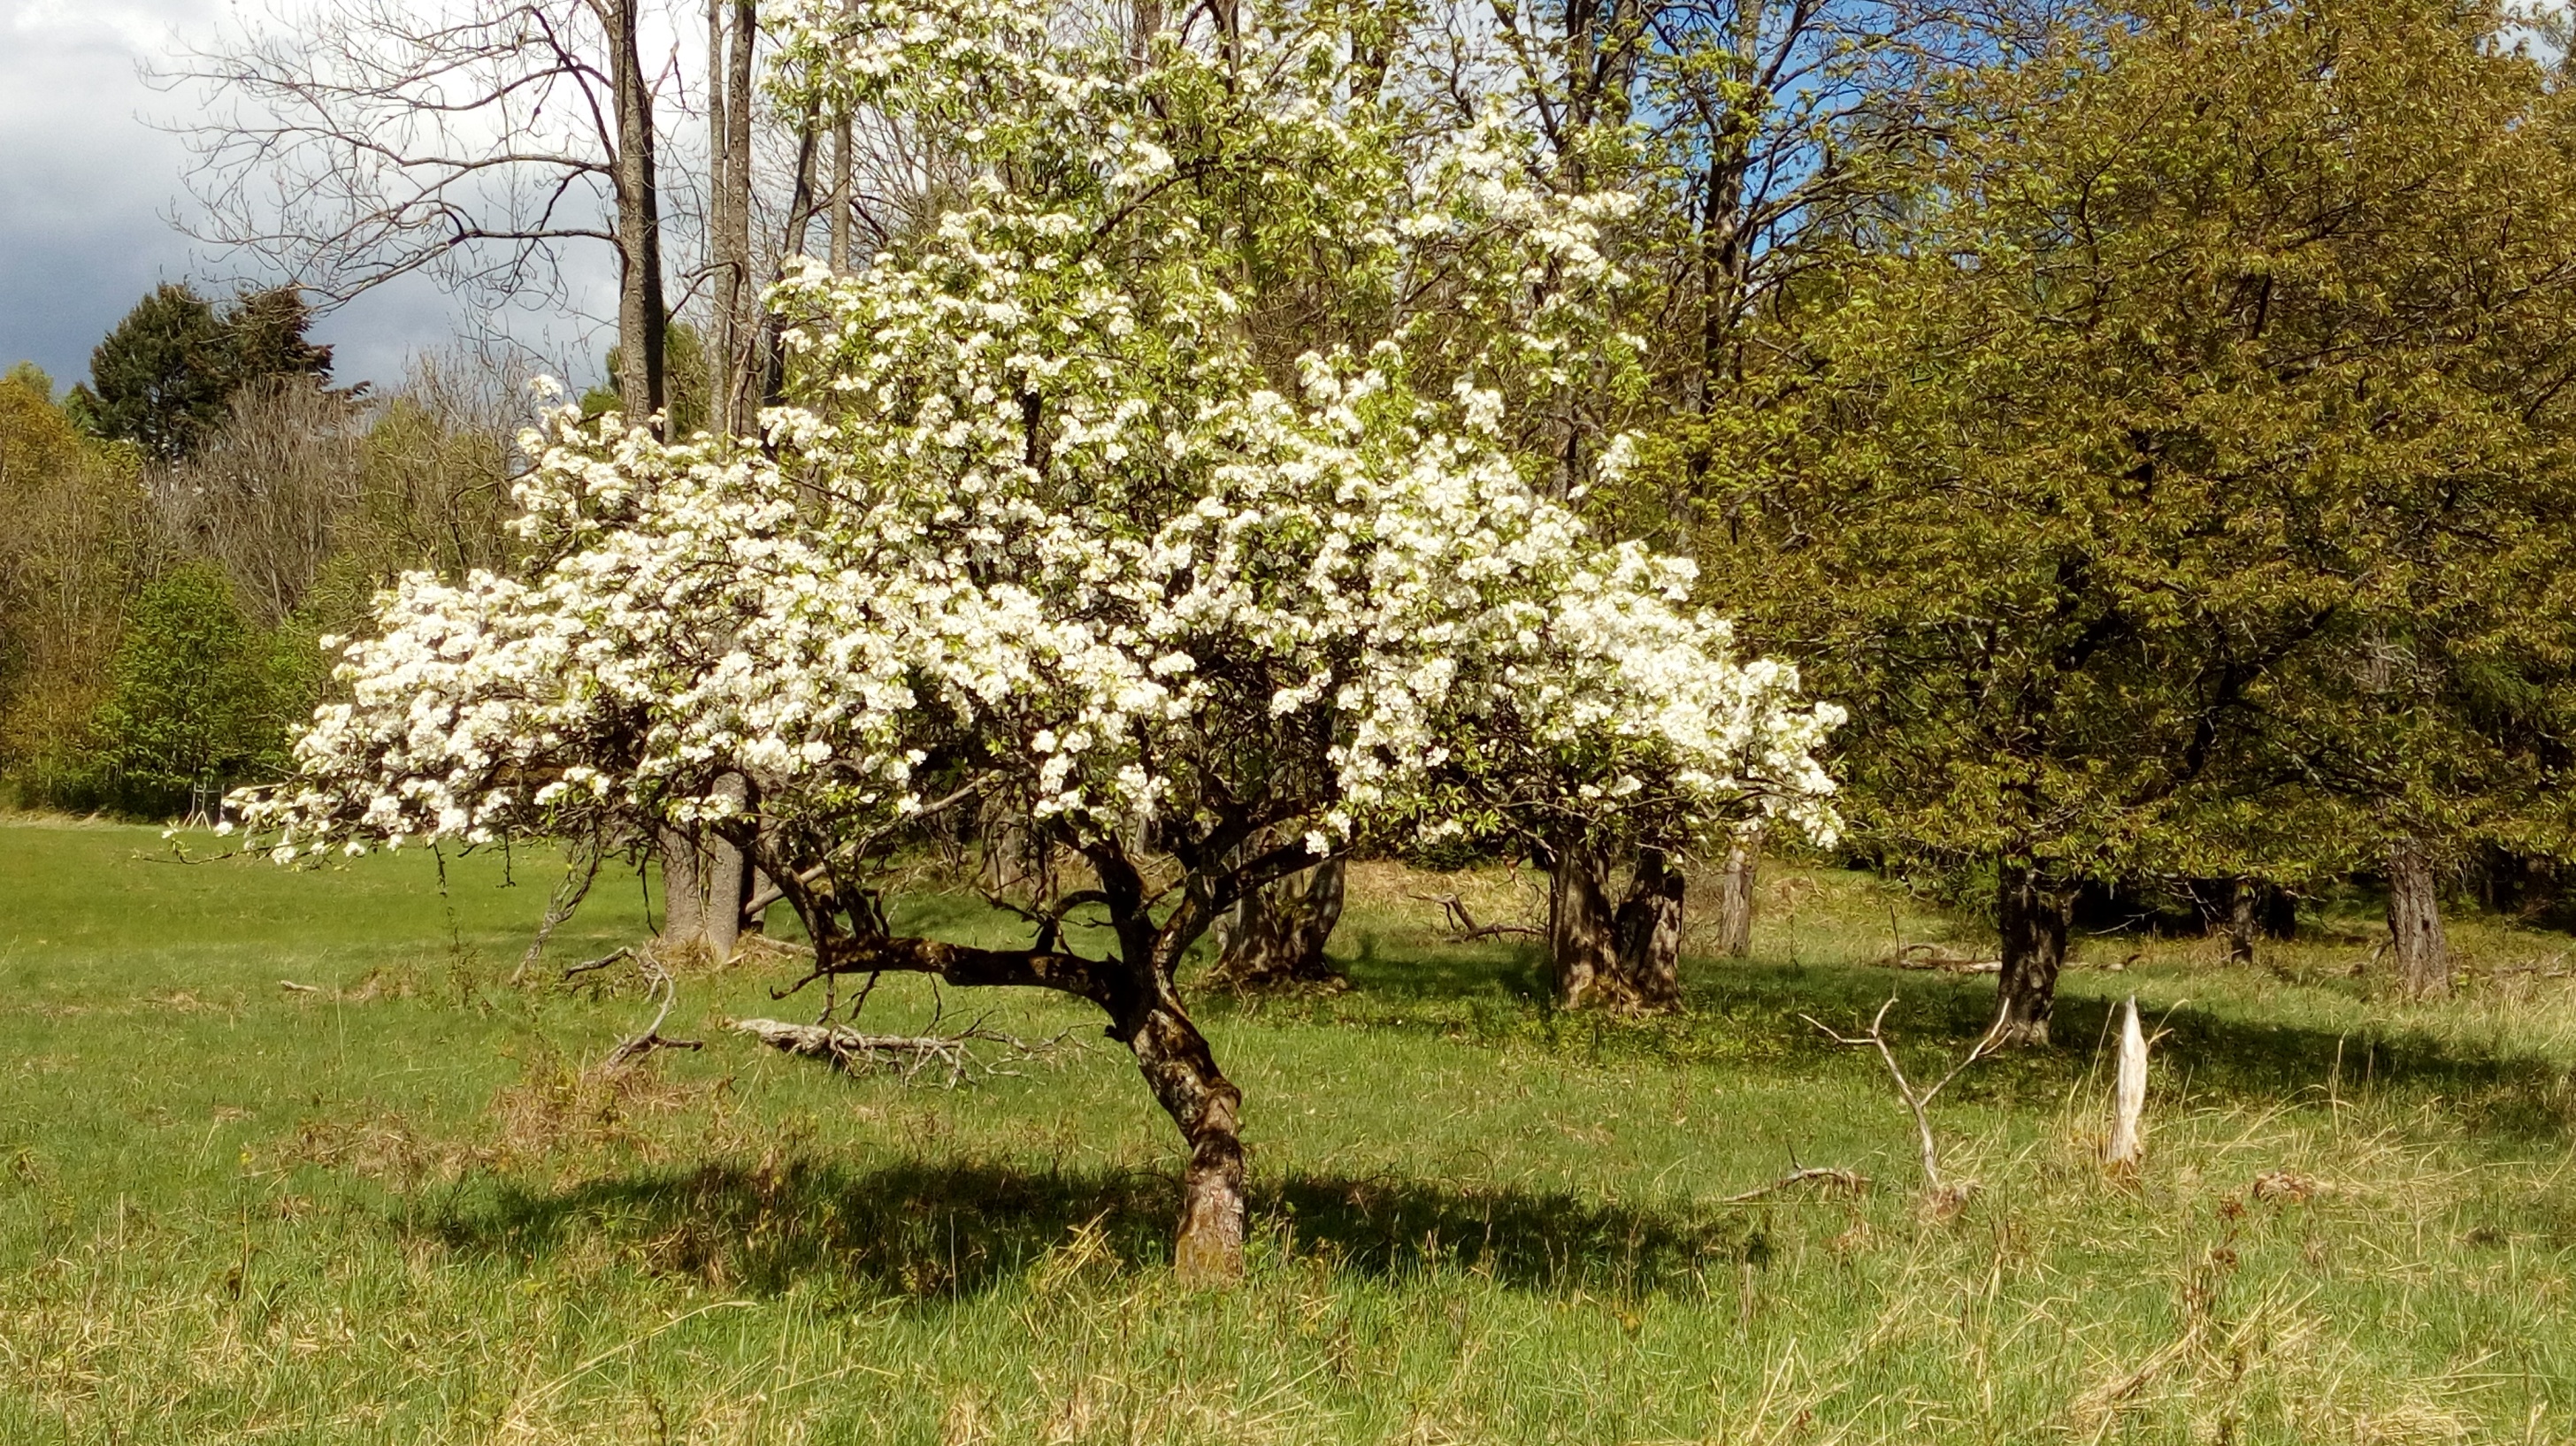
column 1464, row 929
column 660, row 985
column 909, row 1056
column 1934, row 957
column 1848, row 1180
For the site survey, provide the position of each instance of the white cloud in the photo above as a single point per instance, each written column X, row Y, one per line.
column 89, row 186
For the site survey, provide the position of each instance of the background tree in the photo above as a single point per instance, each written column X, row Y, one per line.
column 191, row 705
column 483, row 146
column 165, row 377
column 77, row 538
column 2204, row 355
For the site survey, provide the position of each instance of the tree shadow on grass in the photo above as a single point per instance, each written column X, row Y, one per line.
column 935, row 1230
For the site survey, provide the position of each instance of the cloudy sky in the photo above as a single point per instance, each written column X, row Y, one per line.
column 88, row 187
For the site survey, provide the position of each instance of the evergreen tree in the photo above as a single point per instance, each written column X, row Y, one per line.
column 165, row 376
column 161, row 378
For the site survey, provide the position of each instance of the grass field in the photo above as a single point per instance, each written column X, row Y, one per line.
column 398, row 1204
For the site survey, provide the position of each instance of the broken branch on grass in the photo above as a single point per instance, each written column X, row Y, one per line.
column 602, row 962
column 907, row 1055
column 1918, row 1101
column 1933, row 956
column 1463, row 927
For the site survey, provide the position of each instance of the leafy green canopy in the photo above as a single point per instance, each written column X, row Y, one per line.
column 2181, row 482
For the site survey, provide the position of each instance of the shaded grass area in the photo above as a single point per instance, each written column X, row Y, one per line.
column 400, row 1205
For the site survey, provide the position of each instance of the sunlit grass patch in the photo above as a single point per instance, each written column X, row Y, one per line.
column 402, row 1203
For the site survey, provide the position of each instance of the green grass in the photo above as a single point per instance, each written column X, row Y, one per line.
column 401, row 1206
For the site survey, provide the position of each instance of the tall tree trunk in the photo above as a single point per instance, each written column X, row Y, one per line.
column 1649, row 930
column 2033, row 918
column 2422, row 955
column 841, row 218
column 731, row 356
column 684, row 887
column 642, row 315
column 1181, row 1070
column 1581, row 946
column 1735, row 895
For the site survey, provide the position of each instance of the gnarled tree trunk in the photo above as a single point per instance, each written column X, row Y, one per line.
column 1181, row 1070
column 1735, row 895
column 2033, row 918
column 2417, row 947
column 1582, row 949
column 1276, row 934
column 1649, row 932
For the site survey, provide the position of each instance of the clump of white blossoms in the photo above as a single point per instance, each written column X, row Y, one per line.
column 1167, row 489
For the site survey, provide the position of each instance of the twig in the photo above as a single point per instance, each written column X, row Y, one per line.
column 1918, row 1101
column 579, row 874
column 602, row 962
column 1851, row 1180
column 298, row 988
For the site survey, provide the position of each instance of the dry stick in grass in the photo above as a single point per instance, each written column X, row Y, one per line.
column 1851, row 1180
column 1463, row 927
column 1918, row 1101
column 908, row 1054
column 660, row 984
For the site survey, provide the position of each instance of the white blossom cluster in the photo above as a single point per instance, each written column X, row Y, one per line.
column 1050, row 512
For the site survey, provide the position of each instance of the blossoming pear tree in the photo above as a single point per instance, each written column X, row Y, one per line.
column 1056, row 519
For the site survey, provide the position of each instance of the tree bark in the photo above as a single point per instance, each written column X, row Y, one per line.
column 2417, row 946
column 684, row 889
column 1181, row 1071
column 730, row 353
column 1649, row 929
column 2033, row 918
column 642, row 313
column 1276, row 935
column 1582, row 948
column 2244, row 918
column 1735, row 895
column 841, row 166
column 703, row 884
